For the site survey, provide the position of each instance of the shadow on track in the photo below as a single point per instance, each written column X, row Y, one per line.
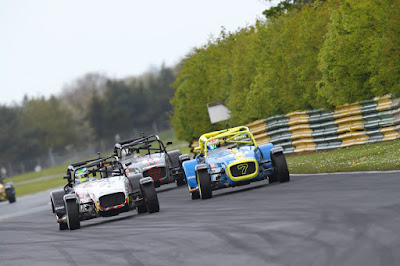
column 242, row 189
column 107, row 220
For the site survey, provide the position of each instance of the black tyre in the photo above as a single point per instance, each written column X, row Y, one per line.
column 195, row 195
column 272, row 178
column 52, row 206
column 182, row 158
column 281, row 171
column 180, row 182
column 63, row 226
column 150, row 195
column 72, row 215
column 142, row 209
column 10, row 193
column 204, row 182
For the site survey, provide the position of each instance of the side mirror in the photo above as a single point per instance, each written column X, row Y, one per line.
column 169, row 143
column 128, row 163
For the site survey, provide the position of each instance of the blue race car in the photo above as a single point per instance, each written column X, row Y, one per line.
column 230, row 158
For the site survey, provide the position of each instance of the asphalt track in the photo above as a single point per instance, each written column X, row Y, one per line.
column 335, row 219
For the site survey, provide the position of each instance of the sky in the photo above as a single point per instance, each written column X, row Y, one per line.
column 47, row 44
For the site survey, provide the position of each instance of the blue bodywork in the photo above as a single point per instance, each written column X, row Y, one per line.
column 219, row 160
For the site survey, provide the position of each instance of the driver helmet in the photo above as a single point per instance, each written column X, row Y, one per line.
column 81, row 175
column 213, row 144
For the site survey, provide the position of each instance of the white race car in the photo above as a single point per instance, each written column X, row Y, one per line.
column 101, row 187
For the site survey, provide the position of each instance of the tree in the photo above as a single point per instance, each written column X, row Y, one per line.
column 360, row 59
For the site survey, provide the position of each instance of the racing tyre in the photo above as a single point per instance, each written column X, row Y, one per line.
column 272, row 178
column 73, row 221
column 280, row 167
column 204, row 181
column 182, row 158
column 10, row 193
column 142, row 209
column 195, row 195
column 180, row 182
column 62, row 226
column 150, row 195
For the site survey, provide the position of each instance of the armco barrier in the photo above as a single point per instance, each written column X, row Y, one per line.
column 301, row 136
column 258, row 129
column 368, row 121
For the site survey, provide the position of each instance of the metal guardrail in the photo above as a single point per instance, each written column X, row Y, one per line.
column 368, row 121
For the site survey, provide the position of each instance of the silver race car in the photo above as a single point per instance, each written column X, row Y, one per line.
column 148, row 156
column 101, row 187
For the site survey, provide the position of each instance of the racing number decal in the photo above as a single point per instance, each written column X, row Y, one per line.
column 243, row 167
column 155, row 172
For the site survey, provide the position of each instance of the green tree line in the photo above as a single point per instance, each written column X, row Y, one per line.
column 304, row 55
column 91, row 111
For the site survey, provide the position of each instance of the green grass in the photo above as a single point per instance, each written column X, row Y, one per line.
column 56, row 170
column 368, row 157
column 30, row 188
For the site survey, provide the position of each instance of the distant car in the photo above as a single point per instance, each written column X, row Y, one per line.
column 230, row 158
column 7, row 191
column 148, row 156
column 101, row 187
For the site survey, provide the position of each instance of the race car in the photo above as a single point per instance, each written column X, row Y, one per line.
column 7, row 191
column 101, row 187
column 148, row 156
column 230, row 158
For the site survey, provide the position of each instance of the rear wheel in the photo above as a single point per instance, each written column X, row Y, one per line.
column 150, row 195
column 180, row 182
column 280, row 167
column 204, row 182
column 182, row 159
column 73, row 221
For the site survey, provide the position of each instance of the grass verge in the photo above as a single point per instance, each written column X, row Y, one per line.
column 369, row 157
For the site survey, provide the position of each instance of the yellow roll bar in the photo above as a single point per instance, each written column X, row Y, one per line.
column 220, row 134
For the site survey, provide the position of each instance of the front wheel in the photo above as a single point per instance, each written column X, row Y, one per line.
column 195, row 195
column 73, row 221
column 150, row 195
column 62, row 226
column 142, row 209
column 10, row 193
column 281, row 171
column 204, row 182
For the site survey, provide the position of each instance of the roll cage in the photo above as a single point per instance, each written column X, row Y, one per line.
column 105, row 166
column 234, row 135
column 149, row 144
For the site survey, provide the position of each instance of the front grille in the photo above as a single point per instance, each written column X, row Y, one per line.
column 155, row 173
column 112, row 200
column 242, row 169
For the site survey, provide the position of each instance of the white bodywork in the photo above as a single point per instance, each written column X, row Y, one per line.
column 93, row 189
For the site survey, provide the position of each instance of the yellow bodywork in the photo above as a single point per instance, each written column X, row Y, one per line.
column 3, row 195
column 243, row 177
column 230, row 135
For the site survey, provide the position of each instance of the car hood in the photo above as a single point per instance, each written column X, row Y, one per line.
column 139, row 164
column 222, row 158
column 94, row 189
